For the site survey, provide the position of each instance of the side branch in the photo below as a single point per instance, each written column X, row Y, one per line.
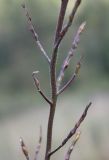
column 37, row 84
column 78, row 66
column 70, row 54
column 73, row 131
column 35, row 35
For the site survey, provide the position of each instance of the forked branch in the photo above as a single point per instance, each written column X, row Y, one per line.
column 71, row 17
column 70, row 54
column 71, row 148
column 69, row 23
column 78, row 66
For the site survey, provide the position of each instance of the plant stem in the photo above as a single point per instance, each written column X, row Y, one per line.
column 49, row 130
column 53, row 105
column 61, row 18
column 73, row 131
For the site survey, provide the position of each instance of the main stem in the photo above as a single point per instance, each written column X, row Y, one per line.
column 53, row 104
column 53, row 79
column 49, row 131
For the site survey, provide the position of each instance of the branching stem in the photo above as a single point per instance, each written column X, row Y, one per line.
column 70, row 54
column 58, row 37
column 61, row 31
column 78, row 66
column 73, row 131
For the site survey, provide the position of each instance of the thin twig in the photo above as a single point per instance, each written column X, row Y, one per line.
column 39, row 144
column 37, row 84
column 70, row 54
column 78, row 66
column 35, row 35
column 24, row 149
column 71, row 148
column 61, row 18
column 73, row 131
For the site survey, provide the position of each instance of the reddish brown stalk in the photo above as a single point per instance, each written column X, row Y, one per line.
column 53, row 105
column 73, row 131
column 49, row 130
column 53, row 78
column 61, row 18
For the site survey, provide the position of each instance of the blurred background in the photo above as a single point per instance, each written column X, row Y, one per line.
column 22, row 110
